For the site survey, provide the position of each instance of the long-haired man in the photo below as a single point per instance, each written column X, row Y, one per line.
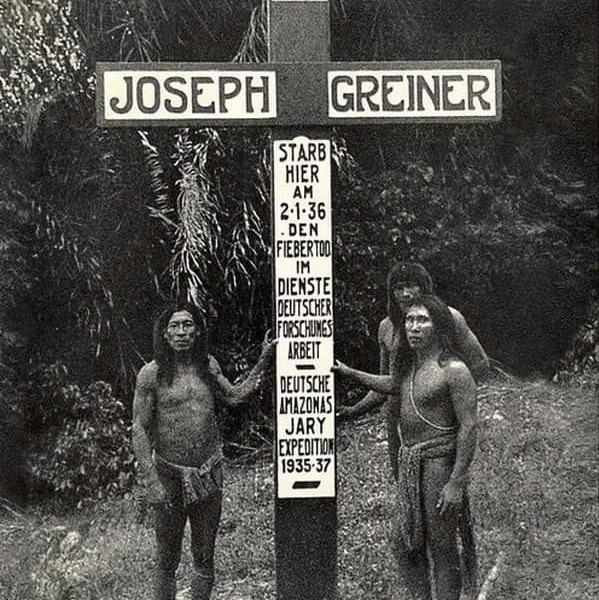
column 431, row 422
column 407, row 281
column 178, row 445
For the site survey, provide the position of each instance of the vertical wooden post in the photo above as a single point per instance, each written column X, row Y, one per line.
column 305, row 528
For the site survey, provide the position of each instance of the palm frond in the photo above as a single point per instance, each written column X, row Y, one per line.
column 73, row 259
column 346, row 164
column 245, row 246
column 138, row 41
column 254, row 45
column 132, row 25
column 56, row 239
column 162, row 208
column 198, row 208
column 30, row 121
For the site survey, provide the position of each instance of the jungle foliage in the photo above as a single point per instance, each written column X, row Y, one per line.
column 102, row 226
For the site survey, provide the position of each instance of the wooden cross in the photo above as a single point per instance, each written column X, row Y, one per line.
column 300, row 94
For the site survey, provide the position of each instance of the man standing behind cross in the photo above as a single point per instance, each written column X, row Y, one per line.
column 178, row 444
column 431, row 422
column 405, row 282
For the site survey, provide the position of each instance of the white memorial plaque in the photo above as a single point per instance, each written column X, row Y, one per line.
column 305, row 397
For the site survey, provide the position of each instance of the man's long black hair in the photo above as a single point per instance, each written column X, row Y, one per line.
column 164, row 355
column 411, row 273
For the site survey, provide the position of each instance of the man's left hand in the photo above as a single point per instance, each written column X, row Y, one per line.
column 451, row 497
column 268, row 344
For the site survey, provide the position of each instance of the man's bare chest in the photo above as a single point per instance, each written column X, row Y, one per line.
column 185, row 392
column 427, row 394
column 426, row 389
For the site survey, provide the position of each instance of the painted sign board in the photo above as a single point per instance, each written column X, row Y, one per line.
column 303, row 297
column 290, row 94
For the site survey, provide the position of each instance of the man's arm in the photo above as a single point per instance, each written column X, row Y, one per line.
column 234, row 395
column 372, row 398
column 463, row 396
column 384, row 384
column 468, row 346
column 393, row 441
column 143, row 415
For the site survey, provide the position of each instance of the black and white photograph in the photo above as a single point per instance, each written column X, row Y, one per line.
column 298, row 300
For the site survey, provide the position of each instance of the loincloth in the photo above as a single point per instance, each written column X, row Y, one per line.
column 197, row 483
column 410, row 518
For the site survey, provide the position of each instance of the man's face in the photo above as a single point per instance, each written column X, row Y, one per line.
column 406, row 291
column 420, row 330
column 181, row 331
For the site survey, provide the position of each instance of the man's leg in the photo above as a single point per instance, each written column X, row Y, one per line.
column 469, row 560
column 170, row 525
column 440, row 531
column 204, row 517
column 413, row 567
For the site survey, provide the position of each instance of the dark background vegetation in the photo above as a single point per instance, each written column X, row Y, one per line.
column 99, row 227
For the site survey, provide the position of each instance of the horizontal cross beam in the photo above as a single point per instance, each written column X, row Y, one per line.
column 292, row 94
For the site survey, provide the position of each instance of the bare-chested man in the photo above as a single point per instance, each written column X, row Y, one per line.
column 177, row 443
column 405, row 282
column 431, row 422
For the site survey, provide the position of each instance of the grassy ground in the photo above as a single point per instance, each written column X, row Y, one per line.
column 534, row 492
column 533, row 489
column 106, row 552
